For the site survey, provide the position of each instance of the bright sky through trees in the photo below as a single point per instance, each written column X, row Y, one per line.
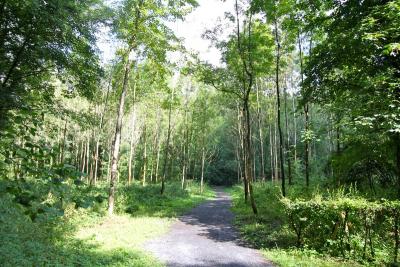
column 207, row 14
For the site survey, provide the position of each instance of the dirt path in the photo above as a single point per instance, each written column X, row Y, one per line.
column 205, row 237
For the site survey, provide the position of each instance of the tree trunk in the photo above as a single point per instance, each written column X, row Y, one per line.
column 202, row 169
column 307, row 143
column 63, row 143
column 276, row 149
column 156, row 147
column 167, row 148
column 241, row 136
column 87, row 155
column 185, row 147
column 158, row 160
column 144, row 154
column 97, row 158
column 288, row 159
column 132, row 144
column 278, row 47
column 260, row 135
column 271, row 153
column 398, row 162
column 238, row 159
column 294, row 131
column 248, row 154
column 83, row 157
column 117, row 138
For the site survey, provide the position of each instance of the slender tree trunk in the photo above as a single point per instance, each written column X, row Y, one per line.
column 276, row 149
column 171, row 166
column 278, row 55
column 151, row 167
column 288, row 159
column 132, row 141
column 185, row 147
column 294, row 130
column 157, row 146
column 260, row 135
column 117, row 138
column 307, row 119
column 338, row 139
column 242, row 137
column 63, row 143
column 131, row 158
column 248, row 79
column 83, row 156
column 87, row 158
column 118, row 127
column 239, row 169
column 254, row 165
column 108, row 169
column 248, row 154
column 271, row 153
column 144, row 154
column 158, row 160
column 97, row 158
column 167, row 148
column 398, row 163
column 77, row 150
column 202, row 169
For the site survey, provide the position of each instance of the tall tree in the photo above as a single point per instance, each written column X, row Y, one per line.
column 141, row 24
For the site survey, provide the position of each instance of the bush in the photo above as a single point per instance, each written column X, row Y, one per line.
column 347, row 227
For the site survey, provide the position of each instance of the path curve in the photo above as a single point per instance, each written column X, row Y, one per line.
column 205, row 237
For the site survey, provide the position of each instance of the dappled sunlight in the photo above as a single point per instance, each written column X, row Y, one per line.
column 124, row 231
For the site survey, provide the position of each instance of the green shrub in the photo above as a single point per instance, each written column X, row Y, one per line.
column 347, row 227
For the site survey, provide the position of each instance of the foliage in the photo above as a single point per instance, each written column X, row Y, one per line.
column 271, row 229
column 77, row 233
column 31, row 51
column 353, row 71
column 347, row 227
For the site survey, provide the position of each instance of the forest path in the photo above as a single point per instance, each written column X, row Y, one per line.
column 205, row 237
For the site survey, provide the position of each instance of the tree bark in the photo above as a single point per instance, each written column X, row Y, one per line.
column 261, row 136
column 158, row 160
column 294, row 131
column 144, row 154
column 307, row 119
column 63, row 143
column 278, row 47
column 97, row 158
column 271, row 153
column 132, row 146
column 241, row 136
column 288, row 159
column 248, row 155
column 117, row 137
column 398, row 163
column 87, row 158
column 167, row 148
column 202, row 169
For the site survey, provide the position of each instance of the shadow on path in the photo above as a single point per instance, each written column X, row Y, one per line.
column 205, row 237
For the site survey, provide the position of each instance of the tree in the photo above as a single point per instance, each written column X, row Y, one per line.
column 141, row 26
column 354, row 69
column 43, row 38
column 250, row 41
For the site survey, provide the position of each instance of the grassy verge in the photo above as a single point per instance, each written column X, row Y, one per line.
column 84, row 236
column 269, row 231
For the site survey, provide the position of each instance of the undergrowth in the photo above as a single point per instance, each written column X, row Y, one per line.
column 270, row 232
column 67, row 225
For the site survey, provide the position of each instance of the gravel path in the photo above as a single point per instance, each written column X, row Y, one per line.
column 205, row 237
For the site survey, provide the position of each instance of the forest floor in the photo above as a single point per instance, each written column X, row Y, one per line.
column 86, row 236
column 205, row 237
